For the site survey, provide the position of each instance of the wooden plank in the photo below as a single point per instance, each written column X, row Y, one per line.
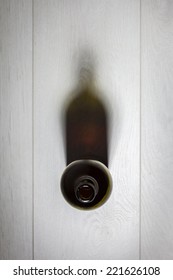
column 110, row 31
column 157, row 130
column 15, row 129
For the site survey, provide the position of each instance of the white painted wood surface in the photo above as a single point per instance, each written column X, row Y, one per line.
column 132, row 48
column 157, row 130
column 110, row 30
column 15, row 129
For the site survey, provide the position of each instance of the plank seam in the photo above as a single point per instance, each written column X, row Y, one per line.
column 140, row 121
column 33, row 130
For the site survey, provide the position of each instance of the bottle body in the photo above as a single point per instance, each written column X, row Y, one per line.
column 86, row 129
column 86, row 182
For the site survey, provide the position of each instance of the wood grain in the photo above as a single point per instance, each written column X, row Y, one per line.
column 109, row 31
column 157, row 130
column 15, row 129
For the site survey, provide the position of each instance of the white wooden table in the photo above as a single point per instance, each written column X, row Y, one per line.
column 40, row 44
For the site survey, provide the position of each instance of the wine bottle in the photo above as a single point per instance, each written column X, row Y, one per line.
column 86, row 181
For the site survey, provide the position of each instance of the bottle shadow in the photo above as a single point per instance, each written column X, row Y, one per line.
column 87, row 116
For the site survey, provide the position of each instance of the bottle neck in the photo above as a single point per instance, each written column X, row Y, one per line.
column 86, row 81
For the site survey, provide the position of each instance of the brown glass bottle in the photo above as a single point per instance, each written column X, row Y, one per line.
column 86, row 182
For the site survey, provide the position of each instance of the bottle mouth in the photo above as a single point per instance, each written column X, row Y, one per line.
column 86, row 189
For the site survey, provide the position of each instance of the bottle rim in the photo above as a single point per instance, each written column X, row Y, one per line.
column 86, row 188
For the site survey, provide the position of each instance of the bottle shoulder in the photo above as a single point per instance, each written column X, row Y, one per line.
column 86, row 100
